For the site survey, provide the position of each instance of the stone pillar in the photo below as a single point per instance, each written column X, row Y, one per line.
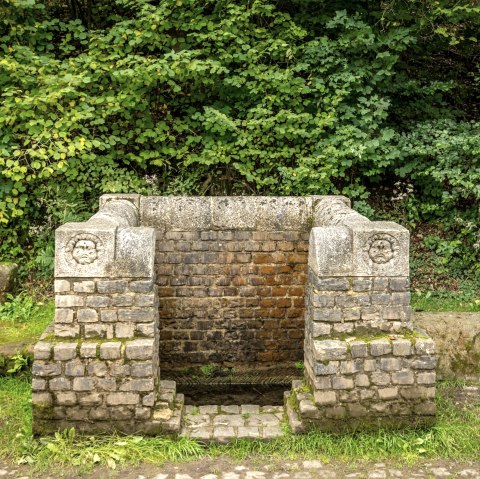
column 97, row 368
column 365, row 363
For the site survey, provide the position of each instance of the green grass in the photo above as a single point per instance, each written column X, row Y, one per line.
column 23, row 319
column 456, row 435
column 444, row 301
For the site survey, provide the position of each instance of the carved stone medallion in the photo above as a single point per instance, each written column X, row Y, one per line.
column 381, row 248
column 84, row 248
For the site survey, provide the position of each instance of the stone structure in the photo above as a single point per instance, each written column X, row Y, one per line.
column 8, row 273
column 179, row 281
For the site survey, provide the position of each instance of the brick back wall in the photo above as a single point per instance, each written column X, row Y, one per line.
column 231, row 296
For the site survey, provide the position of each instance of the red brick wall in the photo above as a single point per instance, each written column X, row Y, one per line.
column 231, row 296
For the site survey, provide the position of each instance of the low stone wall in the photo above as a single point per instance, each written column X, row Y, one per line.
column 457, row 338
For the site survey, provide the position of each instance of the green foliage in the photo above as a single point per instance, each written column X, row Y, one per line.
column 236, row 97
column 20, row 309
column 22, row 319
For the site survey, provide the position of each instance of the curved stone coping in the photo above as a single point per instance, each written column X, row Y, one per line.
column 334, row 211
column 345, row 243
column 263, row 213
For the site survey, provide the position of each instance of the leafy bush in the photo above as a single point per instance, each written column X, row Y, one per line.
column 236, row 97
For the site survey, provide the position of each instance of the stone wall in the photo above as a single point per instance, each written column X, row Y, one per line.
column 365, row 363
column 231, row 275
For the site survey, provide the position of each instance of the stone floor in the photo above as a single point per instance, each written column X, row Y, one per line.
column 223, row 423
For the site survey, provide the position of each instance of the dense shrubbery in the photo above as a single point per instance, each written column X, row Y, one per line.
column 240, row 97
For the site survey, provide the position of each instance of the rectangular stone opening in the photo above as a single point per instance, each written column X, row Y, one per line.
column 231, row 276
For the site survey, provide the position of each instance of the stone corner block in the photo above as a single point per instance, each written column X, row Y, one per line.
column 140, row 349
column 330, row 350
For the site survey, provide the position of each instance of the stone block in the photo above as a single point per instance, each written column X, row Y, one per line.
column 320, row 329
column 122, row 300
column 109, row 315
column 389, row 364
column 142, row 413
column 39, row 384
column 95, row 330
column 146, row 329
column 424, row 362
column 362, row 380
column 66, row 398
column 111, row 350
column 118, row 369
column 59, row 384
column 401, row 298
column 42, row 350
column 106, row 384
column 46, row 369
column 87, row 316
column 145, row 300
column 42, row 399
column 380, row 378
column 362, row 285
column 330, row 350
column 69, row 300
column 144, row 315
column 84, row 286
column 325, row 398
column 327, row 368
column 322, row 300
column 141, row 286
column 64, row 351
column 402, row 377
column 148, row 400
column 402, row 347
column 350, row 367
column 358, row 349
column 63, row 315
column 339, row 382
column 98, row 301
column 97, row 368
column 418, row 392
column 123, row 398
column 91, row 399
column 83, row 384
column 62, row 286
column 66, row 331
column 140, row 349
column 342, row 328
column 75, row 368
column 88, row 350
column 424, row 346
column 380, row 347
column 142, row 369
column 124, row 330
column 388, row 393
column 141, row 385
column 399, row 284
column 112, row 286
column 99, row 414
column 426, row 378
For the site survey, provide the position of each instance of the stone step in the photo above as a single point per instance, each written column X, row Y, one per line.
column 223, row 424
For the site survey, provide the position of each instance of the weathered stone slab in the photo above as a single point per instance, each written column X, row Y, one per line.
column 7, row 279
